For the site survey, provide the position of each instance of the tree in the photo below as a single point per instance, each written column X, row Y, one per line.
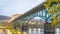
column 53, row 8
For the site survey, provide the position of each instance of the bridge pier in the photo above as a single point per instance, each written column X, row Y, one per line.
column 48, row 29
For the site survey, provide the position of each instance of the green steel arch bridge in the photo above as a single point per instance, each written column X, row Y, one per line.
column 45, row 11
column 39, row 11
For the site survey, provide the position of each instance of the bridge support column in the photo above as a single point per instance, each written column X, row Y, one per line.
column 48, row 29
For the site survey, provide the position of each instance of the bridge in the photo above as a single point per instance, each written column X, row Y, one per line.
column 47, row 12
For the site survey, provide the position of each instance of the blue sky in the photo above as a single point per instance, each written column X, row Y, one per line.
column 11, row 7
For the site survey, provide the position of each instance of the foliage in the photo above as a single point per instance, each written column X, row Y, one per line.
column 53, row 8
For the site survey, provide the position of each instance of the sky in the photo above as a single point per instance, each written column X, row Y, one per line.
column 11, row 7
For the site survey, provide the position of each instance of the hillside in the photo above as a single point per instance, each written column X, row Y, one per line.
column 2, row 17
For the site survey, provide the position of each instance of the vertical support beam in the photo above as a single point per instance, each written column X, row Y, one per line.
column 48, row 29
column 47, row 26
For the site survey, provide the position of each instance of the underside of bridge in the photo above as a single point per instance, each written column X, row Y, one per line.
column 39, row 16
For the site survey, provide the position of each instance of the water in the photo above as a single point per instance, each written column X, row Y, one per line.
column 40, row 32
column 57, row 31
column 37, row 31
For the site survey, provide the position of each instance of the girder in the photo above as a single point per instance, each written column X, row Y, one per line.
column 28, row 13
column 41, row 11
